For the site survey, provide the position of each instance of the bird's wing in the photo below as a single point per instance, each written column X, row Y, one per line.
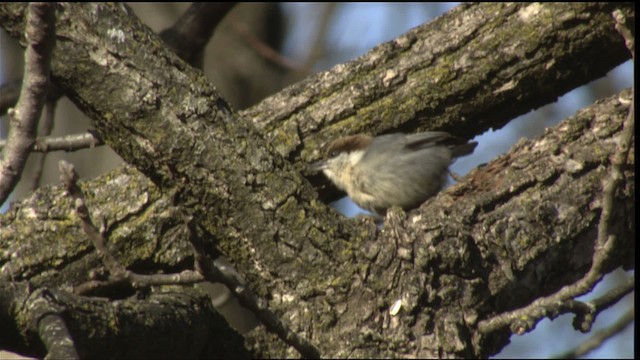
column 427, row 139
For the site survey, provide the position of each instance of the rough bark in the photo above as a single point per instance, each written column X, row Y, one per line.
column 474, row 251
column 129, row 328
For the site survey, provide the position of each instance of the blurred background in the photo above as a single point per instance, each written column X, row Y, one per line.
column 259, row 48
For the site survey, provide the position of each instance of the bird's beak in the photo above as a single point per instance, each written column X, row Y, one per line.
column 318, row 166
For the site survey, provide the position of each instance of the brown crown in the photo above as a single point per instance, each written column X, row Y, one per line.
column 348, row 144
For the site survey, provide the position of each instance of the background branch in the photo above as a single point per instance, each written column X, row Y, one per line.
column 192, row 31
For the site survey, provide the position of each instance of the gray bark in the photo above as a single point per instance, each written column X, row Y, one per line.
column 511, row 231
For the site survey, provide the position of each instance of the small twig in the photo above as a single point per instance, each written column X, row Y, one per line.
column 600, row 337
column 118, row 273
column 524, row 319
column 583, row 321
column 186, row 277
column 40, row 34
column 64, row 143
column 614, row 295
column 618, row 160
column 69, row 178
column 214, row 271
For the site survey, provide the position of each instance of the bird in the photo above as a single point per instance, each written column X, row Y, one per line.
column 392, row 170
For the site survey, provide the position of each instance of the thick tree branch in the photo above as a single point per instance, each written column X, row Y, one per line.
column 332, row 279
column 506, row 60
column 523, row 320
column 187, row 38
column 137, row 327
column 499, row 252
column 207, row 269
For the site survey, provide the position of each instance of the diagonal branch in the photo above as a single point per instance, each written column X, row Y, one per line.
column 524, row 319
column 217, row 272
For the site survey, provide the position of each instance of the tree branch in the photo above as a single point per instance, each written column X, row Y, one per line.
column 600, row 337
column 523, row 320
column 456, row 260
column 63, row 143
column 207, row 269
column 51, row 327
column 192, row 31
column 24, row 119
column 566, row 209
column 131, row 328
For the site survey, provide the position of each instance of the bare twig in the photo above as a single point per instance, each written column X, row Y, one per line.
column 524, row 319
column 65, row 143
column 69, row 178
column 618, row 160
column 207, row 270
column 186, row 277
column 614, row 295
column 584, row 319
column 600, row 337
column 118, row 273
column 40, row 32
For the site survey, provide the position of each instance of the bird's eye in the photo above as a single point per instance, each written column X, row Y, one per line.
column 333, row 153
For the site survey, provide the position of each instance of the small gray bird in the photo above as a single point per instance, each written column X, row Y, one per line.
column 394, row 169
